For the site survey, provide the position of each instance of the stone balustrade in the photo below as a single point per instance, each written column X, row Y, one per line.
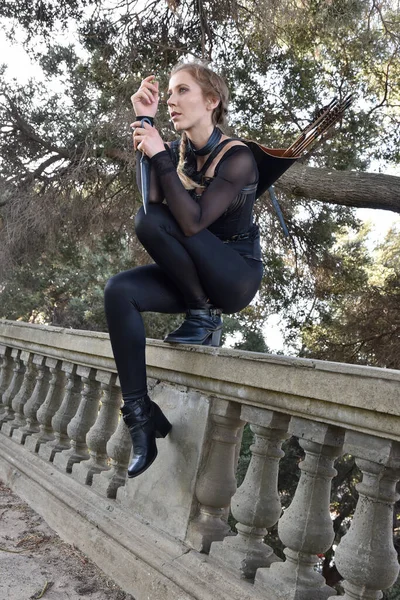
column 65, row 449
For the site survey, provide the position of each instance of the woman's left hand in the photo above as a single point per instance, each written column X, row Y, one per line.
column 147, row 139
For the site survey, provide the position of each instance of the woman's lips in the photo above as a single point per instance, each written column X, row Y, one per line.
column 174, row 115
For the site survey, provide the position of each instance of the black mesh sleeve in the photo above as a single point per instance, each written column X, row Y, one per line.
column 235, row 170
column 156, row 194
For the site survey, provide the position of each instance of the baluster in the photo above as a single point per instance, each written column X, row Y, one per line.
column 23, row 394
column 256, row 504
column 13, row 388
column 82, row 421
column 366, row 556
column 5, row 374
column 49, row 406
column 216, row 483
column 102, row 430
column 35, row 401
column 306, row 526
column 64, row 414
column 119, row 448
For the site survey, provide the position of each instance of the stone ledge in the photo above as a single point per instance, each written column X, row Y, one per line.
column 142, row 560
column 365, row 399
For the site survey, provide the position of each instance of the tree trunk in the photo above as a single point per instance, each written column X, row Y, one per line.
column 351, row 188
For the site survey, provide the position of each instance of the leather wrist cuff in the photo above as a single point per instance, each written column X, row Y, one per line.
column 151, row 119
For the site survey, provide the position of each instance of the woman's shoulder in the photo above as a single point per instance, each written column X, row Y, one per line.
column 233, row 147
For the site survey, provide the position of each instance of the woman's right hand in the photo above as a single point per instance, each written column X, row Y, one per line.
column 145, row 101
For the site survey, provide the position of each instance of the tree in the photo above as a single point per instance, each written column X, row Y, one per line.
column 361, row 323
column 67, row 166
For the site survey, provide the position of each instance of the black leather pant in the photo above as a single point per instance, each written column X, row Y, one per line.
column 188, row 272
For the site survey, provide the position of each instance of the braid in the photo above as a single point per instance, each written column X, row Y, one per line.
column 187, row 182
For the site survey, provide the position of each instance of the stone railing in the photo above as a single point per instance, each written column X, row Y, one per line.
column 165, row 535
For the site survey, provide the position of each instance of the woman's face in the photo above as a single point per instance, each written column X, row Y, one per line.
column 186, row 103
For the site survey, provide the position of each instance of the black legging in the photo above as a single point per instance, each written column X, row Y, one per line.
column 189, row 272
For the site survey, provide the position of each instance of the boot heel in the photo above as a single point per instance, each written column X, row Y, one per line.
column 162, row 425
column 216, row 337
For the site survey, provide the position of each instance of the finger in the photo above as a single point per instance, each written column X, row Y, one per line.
column 146, row 95
column 137, row 141
column 150, row 86
column 141, row 96
column 149, row 78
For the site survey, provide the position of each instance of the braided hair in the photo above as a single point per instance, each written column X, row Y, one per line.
column 213, row 85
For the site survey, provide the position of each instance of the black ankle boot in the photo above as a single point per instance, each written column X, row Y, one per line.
column 145, row 421
column 202, row 326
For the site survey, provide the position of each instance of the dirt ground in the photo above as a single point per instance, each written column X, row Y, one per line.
column 35, row 563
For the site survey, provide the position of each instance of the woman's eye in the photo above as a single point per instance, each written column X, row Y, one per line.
column 182, row 89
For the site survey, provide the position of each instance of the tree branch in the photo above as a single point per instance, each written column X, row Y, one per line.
column 348, row 188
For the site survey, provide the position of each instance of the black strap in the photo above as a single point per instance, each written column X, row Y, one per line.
column 213, row 154
column 210, row 145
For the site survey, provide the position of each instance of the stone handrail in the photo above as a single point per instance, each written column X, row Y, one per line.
column 59, row 414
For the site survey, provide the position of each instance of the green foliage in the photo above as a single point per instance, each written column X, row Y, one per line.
column 357, row 313
column 65, row 288
column 67, row 164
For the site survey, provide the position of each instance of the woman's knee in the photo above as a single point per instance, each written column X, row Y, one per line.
column 118, row 287
column 112, row 286
column 157, row 220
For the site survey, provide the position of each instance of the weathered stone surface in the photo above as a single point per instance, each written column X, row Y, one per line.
column 256, row 504
column 216, row 482
column 306, row 526
column 165, row 496
column 333, row 393
column 144, row 561
column 140, row 536
column 366, row 556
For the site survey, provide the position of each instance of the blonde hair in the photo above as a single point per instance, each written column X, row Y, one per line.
column 212, row 85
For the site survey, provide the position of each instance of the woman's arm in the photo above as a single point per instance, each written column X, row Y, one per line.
column 235, row 170
column 156, row 195
column 145, row 102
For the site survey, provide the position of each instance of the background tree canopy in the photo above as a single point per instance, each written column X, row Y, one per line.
column 67, row 184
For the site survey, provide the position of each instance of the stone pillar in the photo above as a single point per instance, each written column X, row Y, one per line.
column 102, row 430
column 82, row 421
column 14, row 386
column 35, row 401
column 23, row 394
column 217, row 482
column 49, row 406
column 306, row 526
column 64, row 414
column 366, row 556
column 119, row 448
column 256, row 505
column 5, row 373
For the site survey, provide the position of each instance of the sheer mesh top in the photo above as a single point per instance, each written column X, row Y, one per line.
column 225, row 206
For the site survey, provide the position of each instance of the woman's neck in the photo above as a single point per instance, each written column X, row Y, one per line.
column 199, row 136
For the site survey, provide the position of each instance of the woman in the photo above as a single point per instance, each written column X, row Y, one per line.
column 203, row 240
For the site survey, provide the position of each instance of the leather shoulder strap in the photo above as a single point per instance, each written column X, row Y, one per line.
column 213, row 154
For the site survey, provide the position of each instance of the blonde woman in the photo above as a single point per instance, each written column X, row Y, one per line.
column 199, row 231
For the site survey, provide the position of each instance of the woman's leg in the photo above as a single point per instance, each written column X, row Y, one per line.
column 128, row 294
column 201, row 266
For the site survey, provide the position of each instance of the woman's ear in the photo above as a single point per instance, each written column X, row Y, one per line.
column 212, row 103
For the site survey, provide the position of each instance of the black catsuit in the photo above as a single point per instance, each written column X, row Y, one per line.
column 205, row 247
